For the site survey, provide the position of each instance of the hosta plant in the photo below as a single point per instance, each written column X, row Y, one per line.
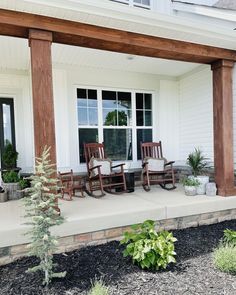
column 42, row 215
column 148, row 248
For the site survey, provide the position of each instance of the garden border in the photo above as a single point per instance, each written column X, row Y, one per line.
column 73, row 242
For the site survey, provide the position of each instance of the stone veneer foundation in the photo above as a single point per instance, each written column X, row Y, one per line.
column 70, row 243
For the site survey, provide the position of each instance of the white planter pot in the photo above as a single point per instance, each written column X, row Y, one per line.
column 11, row 189
column 190, row 190
column 211, row 189
column 3, row 197
column 201, row 189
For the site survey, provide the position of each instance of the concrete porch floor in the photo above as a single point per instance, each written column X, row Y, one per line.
column 89, row 214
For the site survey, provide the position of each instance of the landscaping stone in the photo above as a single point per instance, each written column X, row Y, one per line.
column 193, row 273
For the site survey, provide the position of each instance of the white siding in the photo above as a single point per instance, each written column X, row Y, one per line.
column 16, row 86
column 169, row 118
column 196, row 113
column 62, row 128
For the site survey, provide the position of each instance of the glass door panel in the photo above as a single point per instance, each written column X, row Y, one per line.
column 7, row 126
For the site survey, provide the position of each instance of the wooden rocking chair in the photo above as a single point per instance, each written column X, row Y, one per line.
column 156, row 169
column 102, row 175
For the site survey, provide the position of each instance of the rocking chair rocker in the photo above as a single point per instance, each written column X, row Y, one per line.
column 102, row 175
column 156, row 169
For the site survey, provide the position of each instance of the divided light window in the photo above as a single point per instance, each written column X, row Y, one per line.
column 117, row 121
column 136, row 3
column 143, row 119
column 87, row 110
column 120, row 119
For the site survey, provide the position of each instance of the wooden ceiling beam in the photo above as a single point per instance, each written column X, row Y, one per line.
column 17, row 24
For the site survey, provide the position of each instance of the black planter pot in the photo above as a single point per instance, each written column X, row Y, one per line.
column 129, row 177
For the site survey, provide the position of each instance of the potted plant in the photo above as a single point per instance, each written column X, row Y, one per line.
column 9, row 157
column 11, row 184
column 3, row 195
column 198, row 164
column 190, row 186
column 23, row 184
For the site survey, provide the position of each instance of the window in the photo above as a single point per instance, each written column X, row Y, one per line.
column 87, row 110
column 117, row 119
column 136, row 3
column 120, row 119
column 143, row 119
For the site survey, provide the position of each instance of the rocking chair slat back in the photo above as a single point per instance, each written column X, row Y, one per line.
column 151, row 149
column 99, row 181
column 165, row 178
column 95, row 150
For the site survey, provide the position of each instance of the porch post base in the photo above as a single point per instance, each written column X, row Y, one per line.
column 227, row 192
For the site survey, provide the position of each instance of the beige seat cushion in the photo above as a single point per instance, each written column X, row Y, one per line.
column 104, row 163
column 155, row 164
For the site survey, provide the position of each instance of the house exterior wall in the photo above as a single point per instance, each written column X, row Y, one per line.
column 169, row 118
column 196, row 113
column 182, row 110
column 16, row 85
column 65, row 83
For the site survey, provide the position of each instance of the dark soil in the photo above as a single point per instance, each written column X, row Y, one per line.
column 193, row 273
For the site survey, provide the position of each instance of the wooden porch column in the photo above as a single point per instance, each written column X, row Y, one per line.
column 223, row 126
column 42, row 88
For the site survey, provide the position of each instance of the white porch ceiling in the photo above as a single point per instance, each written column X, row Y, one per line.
column 15, row 54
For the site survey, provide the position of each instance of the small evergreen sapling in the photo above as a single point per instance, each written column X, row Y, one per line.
column 40, row 208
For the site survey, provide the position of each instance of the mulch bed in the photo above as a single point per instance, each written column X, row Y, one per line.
column 193, row 273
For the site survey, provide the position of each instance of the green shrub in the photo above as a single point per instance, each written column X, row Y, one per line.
column 10, row 176
column 23, row 183
column 148, row 248
column 99, row 288
column 224, row 258
column 229, row 237
column 9, row 156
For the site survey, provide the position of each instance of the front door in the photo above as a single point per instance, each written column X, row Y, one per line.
column 7, row 125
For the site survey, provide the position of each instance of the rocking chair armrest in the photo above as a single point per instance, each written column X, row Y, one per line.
column 95, row 167
column 119, row 165
column 144, row 164
column 169, row 163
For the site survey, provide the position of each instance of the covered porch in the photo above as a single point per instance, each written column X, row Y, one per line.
column 43, row 31
column 191, row 86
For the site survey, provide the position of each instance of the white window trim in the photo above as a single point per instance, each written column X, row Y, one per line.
column 129, row 164
column 132, row 3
